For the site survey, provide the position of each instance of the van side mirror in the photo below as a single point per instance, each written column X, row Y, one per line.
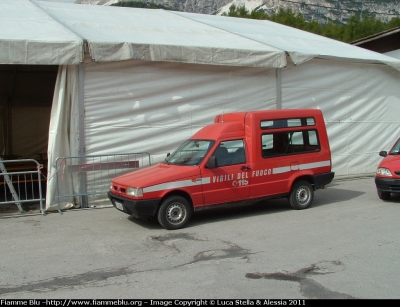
column 168, row 154
column 383, row 153
column 211, row 162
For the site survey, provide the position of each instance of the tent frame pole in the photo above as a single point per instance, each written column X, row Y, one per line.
column 81, row 153
column 278, row 88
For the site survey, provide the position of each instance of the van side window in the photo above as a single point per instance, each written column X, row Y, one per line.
column 286, row 122
column 289, row 143
column 230, row 152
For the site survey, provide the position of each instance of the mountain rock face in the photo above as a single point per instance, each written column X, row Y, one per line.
column 191, row 6
column 321, row 11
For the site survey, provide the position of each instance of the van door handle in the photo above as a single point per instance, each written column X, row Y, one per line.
column 245, row 168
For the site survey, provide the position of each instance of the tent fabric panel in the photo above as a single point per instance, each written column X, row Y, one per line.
column 116, row 33
column 300, row 45
column 63, row 138
column 394, row 54
column 30, row 36
column 102, row 52
column 167, row 96
column 131, row 106
column 360, row 113
column 30, row 52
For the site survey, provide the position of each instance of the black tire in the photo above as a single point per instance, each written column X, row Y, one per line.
column 174, row 213
column 384, row 195
column 302, row 195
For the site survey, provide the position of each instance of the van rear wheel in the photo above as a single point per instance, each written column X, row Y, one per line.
column 301, row 195
column 174, row 213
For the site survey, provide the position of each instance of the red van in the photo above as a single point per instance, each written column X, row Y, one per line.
column 241, row 158
column 387, row 178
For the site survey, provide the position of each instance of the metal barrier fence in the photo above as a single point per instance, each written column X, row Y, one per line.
column 86, row 179
column 21, row 182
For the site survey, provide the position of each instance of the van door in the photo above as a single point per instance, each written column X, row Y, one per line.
column 229, row 181
column 286, row 151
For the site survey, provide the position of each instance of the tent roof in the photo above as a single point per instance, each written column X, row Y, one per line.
column 30, row 36
column 43, row 32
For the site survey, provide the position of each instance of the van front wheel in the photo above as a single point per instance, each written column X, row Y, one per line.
column 301, row 195
column 174, row 213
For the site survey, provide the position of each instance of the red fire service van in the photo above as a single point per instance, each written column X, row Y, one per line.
column 241, row 158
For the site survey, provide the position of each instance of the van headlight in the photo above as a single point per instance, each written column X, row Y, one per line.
column 383, row 172
column 137, row 192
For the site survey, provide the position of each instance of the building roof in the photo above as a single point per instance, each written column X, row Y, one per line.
column 381, row 42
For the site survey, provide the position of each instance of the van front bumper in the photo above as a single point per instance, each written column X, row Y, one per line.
column 388, row 185
column 137, row 208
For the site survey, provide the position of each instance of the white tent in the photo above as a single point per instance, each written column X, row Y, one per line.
column 133, row 80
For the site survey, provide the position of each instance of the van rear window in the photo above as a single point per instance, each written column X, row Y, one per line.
column 289, row 143
column 285, row 123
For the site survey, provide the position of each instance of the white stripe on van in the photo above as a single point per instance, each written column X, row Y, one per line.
column 280, row 170
column 177, row 184
column 315, row 164
column 207, row 180
column 285, row 169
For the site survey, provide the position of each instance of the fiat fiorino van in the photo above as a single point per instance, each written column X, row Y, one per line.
column 241, row 158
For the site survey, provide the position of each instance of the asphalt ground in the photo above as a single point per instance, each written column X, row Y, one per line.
column 345, row 246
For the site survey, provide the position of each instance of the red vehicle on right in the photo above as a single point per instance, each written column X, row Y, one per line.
column 387, row 177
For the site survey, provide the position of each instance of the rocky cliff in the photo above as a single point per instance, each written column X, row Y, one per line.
column 318, row 10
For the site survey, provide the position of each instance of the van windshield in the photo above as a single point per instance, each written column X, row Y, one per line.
column 191, row 152
column 396, row 148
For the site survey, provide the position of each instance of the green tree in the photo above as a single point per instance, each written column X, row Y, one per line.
column 258, row 15
column 350, row 29
column 237, row 11
column 394, row 22
column 332, row 30
column 140, row 4
column 313, row 27
column 289, row 18
column 354, row 29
